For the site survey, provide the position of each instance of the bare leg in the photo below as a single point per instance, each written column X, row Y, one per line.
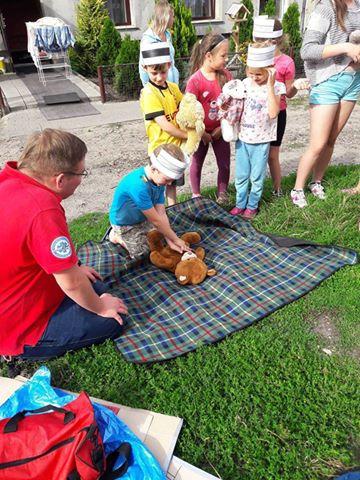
column 342, row 116
column 171, row 195
column 275, row 169
column 321, row 122
column 352, row 191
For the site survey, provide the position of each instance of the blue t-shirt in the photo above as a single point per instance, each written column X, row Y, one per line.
column 134, row 194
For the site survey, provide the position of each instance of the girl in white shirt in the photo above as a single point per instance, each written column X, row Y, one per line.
column 258, row 127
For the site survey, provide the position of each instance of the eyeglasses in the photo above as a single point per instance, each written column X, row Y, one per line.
column 84, row 174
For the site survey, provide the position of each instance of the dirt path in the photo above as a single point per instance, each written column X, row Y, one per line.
column 116, row 149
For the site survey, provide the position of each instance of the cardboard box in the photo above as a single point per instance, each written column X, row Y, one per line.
column 157, row 431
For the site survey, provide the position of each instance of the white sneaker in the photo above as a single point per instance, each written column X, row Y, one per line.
column 317, row 190
column 298, row 198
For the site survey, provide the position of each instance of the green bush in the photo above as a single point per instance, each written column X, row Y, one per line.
column 110, row 43
column 270, row 8
column 127, row 80
column 291, row 26
column 90, row 17
column 184, row 33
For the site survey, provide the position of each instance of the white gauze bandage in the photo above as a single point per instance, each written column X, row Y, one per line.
column 168, row 165
column 261, row 56
column 264, row 28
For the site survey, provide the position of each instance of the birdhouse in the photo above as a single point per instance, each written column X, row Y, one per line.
column 237, row 12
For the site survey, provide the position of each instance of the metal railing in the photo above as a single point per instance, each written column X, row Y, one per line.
column 122, row 82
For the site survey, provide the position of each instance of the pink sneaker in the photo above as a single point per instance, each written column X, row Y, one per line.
column 317, row 190
column 237, row 211
column 298, row 198
column 249, row 213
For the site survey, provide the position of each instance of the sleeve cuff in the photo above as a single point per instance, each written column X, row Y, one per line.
column 152, row 115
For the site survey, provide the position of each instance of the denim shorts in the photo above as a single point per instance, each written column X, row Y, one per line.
column 343, row 86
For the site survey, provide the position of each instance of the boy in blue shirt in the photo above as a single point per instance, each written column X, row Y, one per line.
column 138, row 203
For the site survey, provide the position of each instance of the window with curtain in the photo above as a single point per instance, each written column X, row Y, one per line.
column 119, row 11
column 201, row 9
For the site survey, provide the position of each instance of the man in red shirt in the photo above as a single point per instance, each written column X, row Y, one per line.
column 48, row 303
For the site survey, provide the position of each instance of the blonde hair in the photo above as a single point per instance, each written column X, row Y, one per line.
column 172, row 150
column 52, row 151
column 208, row 44
column 160, row 20
column 341, row 9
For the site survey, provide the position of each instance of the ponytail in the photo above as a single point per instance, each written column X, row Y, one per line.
column 341, row 10
column 196, row 58
column 207, row 44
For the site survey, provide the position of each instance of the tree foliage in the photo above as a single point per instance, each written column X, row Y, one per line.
column 291, row 25
column 110, row 42
column 90, row 17
column 270, row 8
column 183, row 31
column 127, row 80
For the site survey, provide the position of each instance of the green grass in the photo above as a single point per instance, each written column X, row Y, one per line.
column 266, row 402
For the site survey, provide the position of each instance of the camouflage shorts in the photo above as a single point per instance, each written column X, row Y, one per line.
column 132, row 237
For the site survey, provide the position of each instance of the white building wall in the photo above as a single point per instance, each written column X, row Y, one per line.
column 64, row 9
column 142, row 10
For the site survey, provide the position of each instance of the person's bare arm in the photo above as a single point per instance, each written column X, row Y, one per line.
column 350, row 49
column 293, row 86
column 169, row 128
column 157, row 216
column 75, row 283
column 273, row 100
column 160, row 208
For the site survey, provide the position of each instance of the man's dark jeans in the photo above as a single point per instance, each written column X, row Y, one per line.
column 72, row 327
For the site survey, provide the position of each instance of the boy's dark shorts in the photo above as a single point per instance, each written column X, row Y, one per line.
column 179, row 183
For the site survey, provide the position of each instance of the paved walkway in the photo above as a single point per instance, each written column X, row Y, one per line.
column 25, row 116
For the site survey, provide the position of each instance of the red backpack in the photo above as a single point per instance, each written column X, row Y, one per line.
column 56, row 443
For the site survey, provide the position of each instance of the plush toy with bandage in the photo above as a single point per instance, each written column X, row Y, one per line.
column 231, row 105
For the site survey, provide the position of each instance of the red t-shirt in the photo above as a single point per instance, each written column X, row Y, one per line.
column 207, row 92
column 285, row 70
column 34, row 244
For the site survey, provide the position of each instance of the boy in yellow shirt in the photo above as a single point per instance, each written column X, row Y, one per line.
column 159, row 102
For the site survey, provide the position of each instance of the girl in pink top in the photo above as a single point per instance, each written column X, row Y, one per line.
column 208, row 75
column 285, row 73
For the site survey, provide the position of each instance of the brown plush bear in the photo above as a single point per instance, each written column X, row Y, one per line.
column 189, row 268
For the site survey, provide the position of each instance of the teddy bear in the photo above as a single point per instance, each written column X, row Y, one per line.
column 189, row 267
column 231, row 104
column 190, row 118
column 354, row 37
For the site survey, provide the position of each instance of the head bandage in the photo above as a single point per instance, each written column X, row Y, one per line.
column 264, row 28
column 168, row 165
column 260, row 57
column 155, row 53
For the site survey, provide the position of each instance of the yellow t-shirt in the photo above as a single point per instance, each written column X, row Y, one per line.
column 156, row 101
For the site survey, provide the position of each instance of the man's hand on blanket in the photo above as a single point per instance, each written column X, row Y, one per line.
column 112, row 307
column 91, row 273
column 178, row 245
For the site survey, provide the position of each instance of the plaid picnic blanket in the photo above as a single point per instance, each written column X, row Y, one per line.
column 256, row 274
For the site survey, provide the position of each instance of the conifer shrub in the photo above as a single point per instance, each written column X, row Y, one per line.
column 90, row 17
column 127, row 80
column 110, row 43
column 183, row 31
